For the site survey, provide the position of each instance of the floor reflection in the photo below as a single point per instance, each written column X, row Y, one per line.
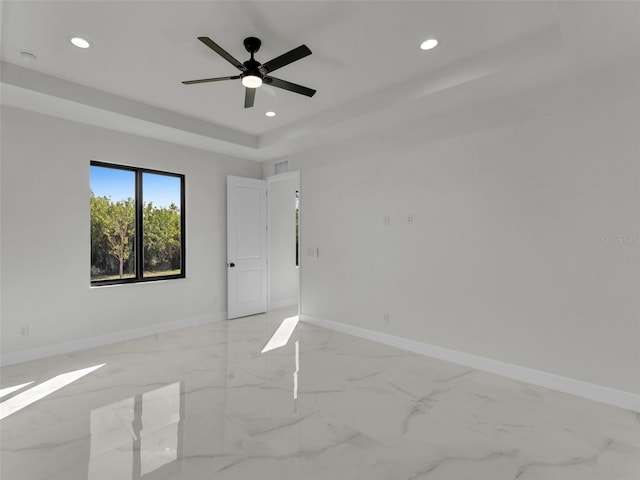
column 205, row 403
column 40, row 391
column 295, row 373
column 282, row 335
column 9, row 390
column 135, row 436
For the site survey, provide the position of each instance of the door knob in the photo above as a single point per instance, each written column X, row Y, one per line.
column 232, row 264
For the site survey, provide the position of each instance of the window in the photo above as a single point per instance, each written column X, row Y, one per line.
column 137, row 224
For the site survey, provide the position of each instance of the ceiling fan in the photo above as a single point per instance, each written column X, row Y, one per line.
column 253, row 73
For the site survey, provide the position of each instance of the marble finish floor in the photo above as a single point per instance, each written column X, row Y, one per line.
column 205, row 403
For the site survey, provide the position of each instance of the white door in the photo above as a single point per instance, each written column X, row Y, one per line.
column 246, row 246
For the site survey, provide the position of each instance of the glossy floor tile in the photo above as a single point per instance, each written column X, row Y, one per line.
column 205, row 403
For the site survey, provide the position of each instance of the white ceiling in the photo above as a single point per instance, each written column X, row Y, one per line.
column 366, row 63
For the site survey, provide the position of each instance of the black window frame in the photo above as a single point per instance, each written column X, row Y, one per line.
column 139, row 228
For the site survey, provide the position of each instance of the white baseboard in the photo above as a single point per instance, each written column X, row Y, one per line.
column 106, row 339
column 591, row 391
column 283, row 303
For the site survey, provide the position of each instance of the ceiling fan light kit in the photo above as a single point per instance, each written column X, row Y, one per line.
column 253, row 73
column 251, row 81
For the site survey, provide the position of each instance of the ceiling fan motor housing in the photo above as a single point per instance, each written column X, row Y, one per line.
column 252, row 44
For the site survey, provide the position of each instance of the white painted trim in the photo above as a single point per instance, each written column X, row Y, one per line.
column 283, row 176
column 591, row 391
column 283, row 303
column 106, row 339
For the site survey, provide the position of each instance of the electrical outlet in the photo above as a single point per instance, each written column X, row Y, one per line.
column 387, row 220
column 24, row 330
column 386, row 317
column 410, row 219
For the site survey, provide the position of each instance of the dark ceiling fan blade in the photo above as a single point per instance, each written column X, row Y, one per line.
column 292, row 87
column 286, row 58
column 205, row 80
column 249, row 97
column 222, row 52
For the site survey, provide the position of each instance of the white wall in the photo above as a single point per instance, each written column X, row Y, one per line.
column 515, row 253
column 45, row 232
column 283, row 273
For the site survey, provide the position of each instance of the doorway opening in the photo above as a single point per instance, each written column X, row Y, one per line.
column 297, row 228
column 283, row 207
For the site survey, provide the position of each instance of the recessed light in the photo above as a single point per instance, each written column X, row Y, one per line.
column 80, row 42
column 270, row 114
column 28, row 56
column 429, row 44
